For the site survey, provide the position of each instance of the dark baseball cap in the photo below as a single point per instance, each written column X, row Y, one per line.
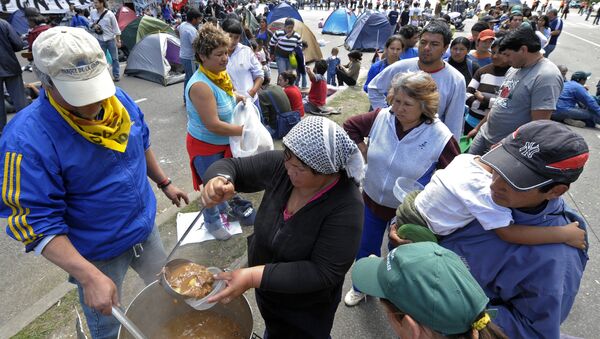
column 539, row 153
column 580, row 75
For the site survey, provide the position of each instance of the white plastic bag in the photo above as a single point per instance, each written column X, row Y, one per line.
column 255, row 138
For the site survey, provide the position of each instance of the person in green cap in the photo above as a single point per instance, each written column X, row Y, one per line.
column 427, row 292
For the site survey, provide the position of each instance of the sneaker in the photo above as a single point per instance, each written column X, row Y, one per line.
column 574, row 123
column 117, row 79
column 353, row 297
column 220, row 234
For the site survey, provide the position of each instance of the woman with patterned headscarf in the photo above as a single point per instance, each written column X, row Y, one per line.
column 307, row 229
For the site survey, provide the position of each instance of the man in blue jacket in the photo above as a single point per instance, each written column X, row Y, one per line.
column 575, row 106
column 75, row 167
column 531, row 288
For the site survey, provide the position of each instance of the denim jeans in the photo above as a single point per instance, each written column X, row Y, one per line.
column 283, row 64
column 111, row 46
column 189, row 66
column 147, row 260
column 590, row 118
column 372, row 236
column 212, row 215
column 549, row 49
column 16, row 90
column 304, row 81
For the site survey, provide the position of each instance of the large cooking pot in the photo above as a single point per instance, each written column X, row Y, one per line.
column 153, row 307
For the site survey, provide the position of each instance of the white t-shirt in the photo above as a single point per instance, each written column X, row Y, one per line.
column 457, row 195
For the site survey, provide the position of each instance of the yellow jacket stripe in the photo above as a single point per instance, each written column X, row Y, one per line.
column 11, row 190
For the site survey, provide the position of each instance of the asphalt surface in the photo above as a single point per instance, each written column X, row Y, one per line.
column 30, row 284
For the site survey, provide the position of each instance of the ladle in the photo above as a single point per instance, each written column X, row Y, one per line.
column 128, row 324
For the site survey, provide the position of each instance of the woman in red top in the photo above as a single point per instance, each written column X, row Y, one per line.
column 287, row 80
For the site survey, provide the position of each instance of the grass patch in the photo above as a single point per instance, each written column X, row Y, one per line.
column 352, row 101
column 58, row 321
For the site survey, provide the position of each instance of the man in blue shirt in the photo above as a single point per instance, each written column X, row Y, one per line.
column 532, row 288
column 575, row 106
column 556, row 26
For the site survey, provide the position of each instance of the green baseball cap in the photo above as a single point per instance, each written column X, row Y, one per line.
column 427, row 282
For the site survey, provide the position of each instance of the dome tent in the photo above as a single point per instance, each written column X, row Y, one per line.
column 369, row 33
column 283, row 10
column 339, row 22
column 156, row 58
column 313, row 51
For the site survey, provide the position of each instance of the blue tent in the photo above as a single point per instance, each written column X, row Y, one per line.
column 18, row 21
column 283, row 10
column 339, row 22
column 369, row 33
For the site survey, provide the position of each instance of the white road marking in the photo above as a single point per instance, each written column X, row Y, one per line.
column 140, row 100
column 582, row 39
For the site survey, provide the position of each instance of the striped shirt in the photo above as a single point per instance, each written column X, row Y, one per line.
column 486, row 80
column 283, row 44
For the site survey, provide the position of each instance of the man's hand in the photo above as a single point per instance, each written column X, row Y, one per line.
column 478, row 96
column 175, row 195
column 100, row 293
column 216, row 190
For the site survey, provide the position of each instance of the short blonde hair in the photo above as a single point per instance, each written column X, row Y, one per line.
column 421, row 87
column 209, row 38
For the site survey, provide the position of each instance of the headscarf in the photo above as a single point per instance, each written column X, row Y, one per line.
column 325, row 147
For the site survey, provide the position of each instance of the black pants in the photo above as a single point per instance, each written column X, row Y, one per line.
column 344, row 78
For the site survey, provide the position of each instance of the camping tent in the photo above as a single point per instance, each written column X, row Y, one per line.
column 313, row 51
column 140, row 27
column 249, row 20
column 18, row 21
column 369, row 33
column 339, row 22
column 283, row 10
column 156, row 58
column 125, row 16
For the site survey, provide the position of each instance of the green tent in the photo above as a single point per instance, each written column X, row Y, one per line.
column 140, row 27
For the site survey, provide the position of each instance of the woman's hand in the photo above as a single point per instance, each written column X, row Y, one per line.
column 395, row 240
column 216, row 191
column 479, row 96
column 175, row 195
column 473, row 133
column 238, row 282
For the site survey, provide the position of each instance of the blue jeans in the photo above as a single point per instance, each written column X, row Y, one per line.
column 331, row 79
column 590, row 118
column 549, row 49
column 16, row 90
column 189, row 66
column 372, row 236
column 147, row 260
column 283, row 64
column 212, row 215
column 304, row 81
column 111, row 46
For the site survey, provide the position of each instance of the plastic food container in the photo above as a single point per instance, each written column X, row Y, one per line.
column 203, row 304
column 403, row 186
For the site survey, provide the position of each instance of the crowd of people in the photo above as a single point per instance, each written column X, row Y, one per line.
column 323, row 210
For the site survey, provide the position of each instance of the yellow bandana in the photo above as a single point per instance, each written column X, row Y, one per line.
column 111, row 132
column 222, row 79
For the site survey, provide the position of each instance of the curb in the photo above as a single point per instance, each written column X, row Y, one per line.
column 28, row 315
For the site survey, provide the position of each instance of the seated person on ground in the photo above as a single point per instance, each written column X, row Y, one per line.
column 287, row 80
column 273, row 100
column 575, row 106
column 317, row 96
column 532, row 288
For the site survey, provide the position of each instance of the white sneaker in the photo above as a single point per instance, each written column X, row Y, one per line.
column 353, row 297
column 574, row 123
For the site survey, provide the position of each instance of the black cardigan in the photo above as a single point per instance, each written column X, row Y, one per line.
column 307, row 257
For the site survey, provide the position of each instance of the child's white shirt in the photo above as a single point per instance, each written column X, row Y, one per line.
column 457, row 195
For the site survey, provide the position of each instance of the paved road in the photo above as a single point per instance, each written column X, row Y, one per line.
column 26, row 279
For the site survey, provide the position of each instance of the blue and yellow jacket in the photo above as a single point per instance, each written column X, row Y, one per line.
column 55, row 182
